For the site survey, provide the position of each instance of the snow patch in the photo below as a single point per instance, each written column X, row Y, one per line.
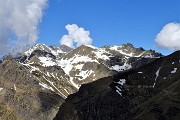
column 14, row 87
column 174, row 71
column 91, row 46
column 52, row 74
column 52, row 84
column 46, row 86
column 46, row 61
column 101, row 53
column 68, row 64
column 66, row 91
column 85, row 74
column 121, row 68
column 1, row 88
column 157, row 75
column 73, row 83
column 121, row 81
column 79, row 66
column 118, row 90
column 48, row 74
column 56, row 53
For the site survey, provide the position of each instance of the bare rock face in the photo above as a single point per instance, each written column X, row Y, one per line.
column 22, row 97
column 65, row 48
column 150, row 92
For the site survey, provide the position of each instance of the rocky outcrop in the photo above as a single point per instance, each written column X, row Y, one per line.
column 21, row 96
column 65, row 48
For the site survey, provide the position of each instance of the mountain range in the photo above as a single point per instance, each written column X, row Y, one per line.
column 89, row 83
column 150, row 92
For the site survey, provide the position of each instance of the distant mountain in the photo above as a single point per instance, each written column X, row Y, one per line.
column 35, row 84
column 150, row 92
column 87, row 63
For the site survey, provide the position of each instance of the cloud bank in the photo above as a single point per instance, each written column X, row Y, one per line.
column 76, row 36
column 19, row 20
column 169, row 36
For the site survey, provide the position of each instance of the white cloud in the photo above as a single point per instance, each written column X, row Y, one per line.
column 76, row 36
column 169, row 36
column 19, row 20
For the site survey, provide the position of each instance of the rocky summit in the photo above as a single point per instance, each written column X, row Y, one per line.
column 111, row 82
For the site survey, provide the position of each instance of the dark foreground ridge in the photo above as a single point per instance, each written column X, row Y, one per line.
column 151, row 92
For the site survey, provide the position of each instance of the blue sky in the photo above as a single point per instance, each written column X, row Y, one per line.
column 110, row 22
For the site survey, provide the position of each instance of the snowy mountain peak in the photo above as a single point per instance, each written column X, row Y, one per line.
column 37, row 47
column 130, row 51
column 50, row 49
column 83, row 64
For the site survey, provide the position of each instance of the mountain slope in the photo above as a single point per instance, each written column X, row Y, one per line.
column 83, row 64
column 35, row 84
column 22, row 97
column 149, row 92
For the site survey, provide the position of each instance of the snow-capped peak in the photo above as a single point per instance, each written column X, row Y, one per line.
column 50, row 49
column 85, row 63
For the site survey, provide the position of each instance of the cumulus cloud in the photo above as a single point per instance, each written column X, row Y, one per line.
column 19, row 20
column 169, row 36
column 76, row 36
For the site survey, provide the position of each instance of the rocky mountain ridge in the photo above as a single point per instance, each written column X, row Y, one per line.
column 21, row 94
column 150, row 92
column 44, row 74
column 87, row 63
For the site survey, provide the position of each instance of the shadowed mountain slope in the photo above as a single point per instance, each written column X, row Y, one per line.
column 150, row 92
